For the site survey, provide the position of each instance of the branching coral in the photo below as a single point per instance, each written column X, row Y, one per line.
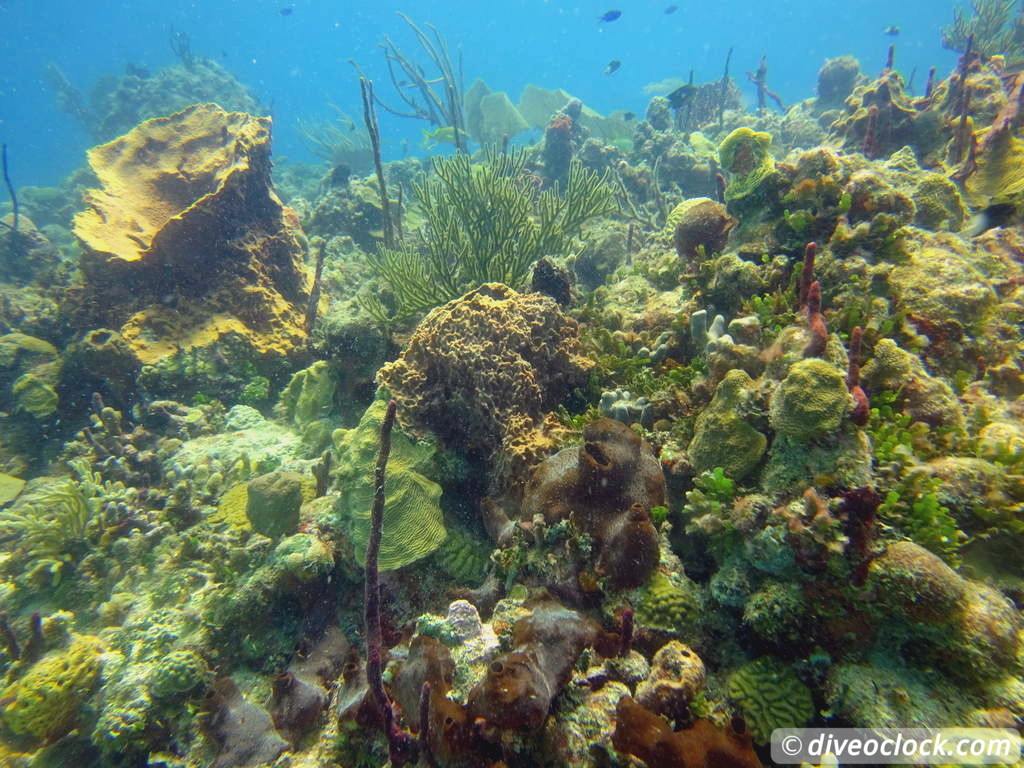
column 337, row 142
column 484, row 223
column 993, row 26
column 52, row 529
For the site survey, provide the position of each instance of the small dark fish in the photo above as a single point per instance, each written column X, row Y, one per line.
column 891, row 31
column 671, row 9
column 681, row 96
column 612, row 67
column 610, row 16
column 627, row 116
column 287, row 11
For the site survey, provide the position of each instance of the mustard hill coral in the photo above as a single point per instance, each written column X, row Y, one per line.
column 45, row 702
column 811, row 401
column 721, row 437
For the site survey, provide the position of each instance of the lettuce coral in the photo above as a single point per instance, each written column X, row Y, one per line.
column 744, row 153
column 413, row 523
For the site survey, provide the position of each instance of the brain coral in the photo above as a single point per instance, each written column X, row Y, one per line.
column 483, row 371
column 187, row 242
column 770, row 696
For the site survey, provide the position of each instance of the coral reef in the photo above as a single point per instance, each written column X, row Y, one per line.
column 748, row 454
column 770, row 696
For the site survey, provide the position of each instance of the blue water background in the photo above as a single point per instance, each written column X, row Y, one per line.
column 298, row 63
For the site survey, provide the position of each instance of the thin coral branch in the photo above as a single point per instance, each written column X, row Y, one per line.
column 401, row 745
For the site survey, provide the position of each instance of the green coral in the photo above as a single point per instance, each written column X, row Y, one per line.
column 45, row 702
column 179, row 672
column 770, row 696
column 52, row 527
column 775, row 612
column 302, row 558
column 274, row 501
column 811, row 402
column 744, row 153
column 256, row 392
column 309, row 402
column 413, row 522
column 722, row 438
column 484, row 223
column 463, row 557
column 35, row 396
column 885, row 694
column 663, row 604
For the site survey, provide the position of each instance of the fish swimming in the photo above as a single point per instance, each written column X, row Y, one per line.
column 287, row 11
column 443, row 134
column 681, row 96
column 612, row 67
column 671, row 9
column 891, row 31
column 610, row 16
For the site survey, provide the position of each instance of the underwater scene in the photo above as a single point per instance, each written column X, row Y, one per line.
column 514, row 385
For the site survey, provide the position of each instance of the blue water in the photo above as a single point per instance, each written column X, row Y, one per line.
column 298, row 63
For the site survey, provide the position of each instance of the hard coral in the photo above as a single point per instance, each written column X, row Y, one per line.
column 414, row 525
column 187, row 243
column 770, row 696
column 811, row 401
column 45, row 702
column 495, row 359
